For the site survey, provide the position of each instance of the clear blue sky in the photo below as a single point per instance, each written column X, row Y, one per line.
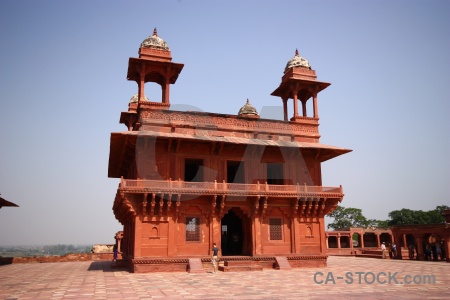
column 63, row 85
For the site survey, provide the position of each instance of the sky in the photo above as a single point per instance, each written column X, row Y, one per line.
column 63, row 84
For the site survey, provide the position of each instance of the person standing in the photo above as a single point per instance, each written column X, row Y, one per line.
column 115, row 252
column 443, row 254
column 394, row 250
column 215, row 257
column 438, row 251
column 383, row 250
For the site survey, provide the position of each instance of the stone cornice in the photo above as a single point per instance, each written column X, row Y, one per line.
column 209, row 121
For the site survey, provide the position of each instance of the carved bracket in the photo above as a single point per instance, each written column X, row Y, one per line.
column 294, row 207
column 161, row 204
column 264, row 207
column 169, row 204
column 213, row 208
column 152, row 205
column 177, row 207
column 222, row 206
column 144, row 205
column 256, row 206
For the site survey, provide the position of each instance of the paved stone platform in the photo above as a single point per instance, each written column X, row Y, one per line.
column 340, row 280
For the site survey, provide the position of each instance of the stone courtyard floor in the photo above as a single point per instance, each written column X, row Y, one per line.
column 344, row 278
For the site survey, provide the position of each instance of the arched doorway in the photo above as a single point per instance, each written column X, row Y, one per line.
column 332, row 242
column 234, row 233
column 356, row 240
column 386, row 238
column 370, row 240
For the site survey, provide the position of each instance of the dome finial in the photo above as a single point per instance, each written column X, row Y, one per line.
column 297, row 61
column 247, row 110
column 155, row 41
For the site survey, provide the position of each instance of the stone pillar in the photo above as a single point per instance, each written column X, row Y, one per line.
column 400, row 246
column 323, row 245
column 171, row 236
column 405, row 242
column 292, row 219
column 339, row 240
column 326, row 240
column 141, row 84
column 257, row 235
column 378, row 240
column 166, row 90
column 137, row 237
column 316, row 110
column 351, row 241
column 362, row 239
column 304, row 108
column 124, row 242
column 285, row 112
column 119, row 238
column 419, row 249
column 447, row 249
column 295, row 104
column 163, row 93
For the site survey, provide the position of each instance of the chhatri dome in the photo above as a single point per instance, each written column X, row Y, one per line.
column 135, row 98
column 155, row 41
column 248, row 109
column 297, row 61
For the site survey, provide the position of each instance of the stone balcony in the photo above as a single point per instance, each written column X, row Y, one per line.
column 228, row 189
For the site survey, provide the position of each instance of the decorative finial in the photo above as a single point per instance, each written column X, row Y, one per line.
column 248, row 102
column 155, row 32
column 296, row 51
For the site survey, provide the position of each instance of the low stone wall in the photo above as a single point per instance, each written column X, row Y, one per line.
column 63, row 258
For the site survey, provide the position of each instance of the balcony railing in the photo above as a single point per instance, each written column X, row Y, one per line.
column 228, row 189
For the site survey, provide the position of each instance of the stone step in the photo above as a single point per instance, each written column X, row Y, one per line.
column 373, row 252
column 281, row 263
column 240, row 268
column 195, row 265
column 239, row 263
column 372, row 256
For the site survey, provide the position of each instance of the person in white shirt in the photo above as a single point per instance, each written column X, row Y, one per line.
column 383, row 250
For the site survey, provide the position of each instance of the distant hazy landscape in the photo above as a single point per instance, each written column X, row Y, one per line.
column 46, row 250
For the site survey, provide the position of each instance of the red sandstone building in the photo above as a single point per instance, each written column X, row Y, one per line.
column 189, row 179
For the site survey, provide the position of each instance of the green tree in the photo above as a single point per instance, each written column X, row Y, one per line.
column 379, row 224
column 347, row 217
column 417, row 217
column 401, row 217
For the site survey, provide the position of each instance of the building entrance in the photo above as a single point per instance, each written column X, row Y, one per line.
column 232, row 234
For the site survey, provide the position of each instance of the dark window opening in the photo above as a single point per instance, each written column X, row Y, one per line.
column 192, row 229
column 235, row 172
column 275, row 173
column 193, row 170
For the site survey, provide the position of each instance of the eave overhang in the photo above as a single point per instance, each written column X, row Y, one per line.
column 120, row 140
